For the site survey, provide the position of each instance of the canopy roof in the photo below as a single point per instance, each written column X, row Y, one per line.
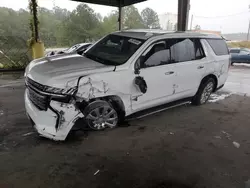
column 115, row 3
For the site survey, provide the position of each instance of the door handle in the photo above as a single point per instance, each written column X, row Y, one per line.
column 200, row 67
column 170, row 72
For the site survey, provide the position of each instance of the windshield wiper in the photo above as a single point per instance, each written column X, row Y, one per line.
column 100, row 60
column 93, row 58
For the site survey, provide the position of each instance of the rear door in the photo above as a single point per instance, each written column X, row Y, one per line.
column 190, row 65
column 222, row 59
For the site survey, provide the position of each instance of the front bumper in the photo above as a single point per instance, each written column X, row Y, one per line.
column 54, row 123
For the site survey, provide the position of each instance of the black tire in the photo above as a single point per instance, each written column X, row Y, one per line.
column 97, row 105
column 232, row 63
column 197, row 99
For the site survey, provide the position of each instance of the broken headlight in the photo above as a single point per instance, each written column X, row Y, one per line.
column 60, row 91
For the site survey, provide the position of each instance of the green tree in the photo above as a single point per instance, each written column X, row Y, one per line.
column 50, row 26
column 197, row 27
column 150, row 18
column 131, row 18
column 82, row 25
column 110, row 22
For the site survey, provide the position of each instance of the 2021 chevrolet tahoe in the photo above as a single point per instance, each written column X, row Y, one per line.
column 123, row 73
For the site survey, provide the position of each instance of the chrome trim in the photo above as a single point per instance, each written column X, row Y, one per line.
column 45, row 93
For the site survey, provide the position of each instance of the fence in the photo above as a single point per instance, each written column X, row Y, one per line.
column 14, row 52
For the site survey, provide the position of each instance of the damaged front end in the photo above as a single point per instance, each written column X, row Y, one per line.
column 54, row 111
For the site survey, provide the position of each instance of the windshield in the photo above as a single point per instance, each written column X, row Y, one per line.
column 114, row 49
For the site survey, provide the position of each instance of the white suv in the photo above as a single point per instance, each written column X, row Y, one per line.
column 123, row 73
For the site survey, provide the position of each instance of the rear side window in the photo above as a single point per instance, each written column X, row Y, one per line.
column 234, row 51
column 219, row 46
column 185, row 50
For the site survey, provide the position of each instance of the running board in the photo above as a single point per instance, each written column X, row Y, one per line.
column 157, row 109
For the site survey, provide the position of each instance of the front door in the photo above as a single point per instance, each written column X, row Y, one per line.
column 158, row 75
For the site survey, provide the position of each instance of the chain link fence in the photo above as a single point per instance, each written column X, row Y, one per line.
column 14, row 52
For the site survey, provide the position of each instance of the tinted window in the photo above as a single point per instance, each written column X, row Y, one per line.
column 182, row 50
column 174, row 51
column 234, row 51
column 199, row 52
column 114, row 49
column 219, row 46
column 185, row 49
column 158, row 55
column 244, row 51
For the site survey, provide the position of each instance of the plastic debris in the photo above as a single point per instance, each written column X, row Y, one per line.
column 217, row 137
column 96, row 172
column 216, row 97
column 227, row 134
column 171, row 133
column 27, row 134
column 236, row 144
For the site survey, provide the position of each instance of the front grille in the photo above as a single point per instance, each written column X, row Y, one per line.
column 41, row 101
column 34, row 84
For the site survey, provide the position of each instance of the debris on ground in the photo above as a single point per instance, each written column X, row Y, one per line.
column 171, row 133
column 215, row 97
column 236, row 144
column 1, row 112
column 227, row 134
column 217, row 137
column 27, row 134
column 96, row 172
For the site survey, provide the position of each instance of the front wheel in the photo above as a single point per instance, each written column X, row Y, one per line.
column 100, row 115
column 205, row 90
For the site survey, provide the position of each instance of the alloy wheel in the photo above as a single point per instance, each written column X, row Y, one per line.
column 102, row 117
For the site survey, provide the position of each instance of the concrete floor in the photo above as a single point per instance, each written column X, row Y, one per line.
column 185, row 147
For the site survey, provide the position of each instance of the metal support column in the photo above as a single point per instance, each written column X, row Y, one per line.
column 120, row 16
column 183, row 14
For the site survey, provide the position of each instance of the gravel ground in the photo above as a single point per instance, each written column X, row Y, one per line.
column 184, row 147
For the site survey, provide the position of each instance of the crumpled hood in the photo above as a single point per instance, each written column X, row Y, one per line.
column 57, row 70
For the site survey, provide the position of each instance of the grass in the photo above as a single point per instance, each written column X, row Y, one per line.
column 242, row 44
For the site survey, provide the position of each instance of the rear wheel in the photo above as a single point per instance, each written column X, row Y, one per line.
column 100, row 115
column 205, row 90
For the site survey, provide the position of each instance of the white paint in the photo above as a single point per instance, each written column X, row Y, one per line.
column 166, row 83
column 217, row 97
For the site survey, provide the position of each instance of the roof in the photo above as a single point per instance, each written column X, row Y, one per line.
column 115, row 3
column 148, row 33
